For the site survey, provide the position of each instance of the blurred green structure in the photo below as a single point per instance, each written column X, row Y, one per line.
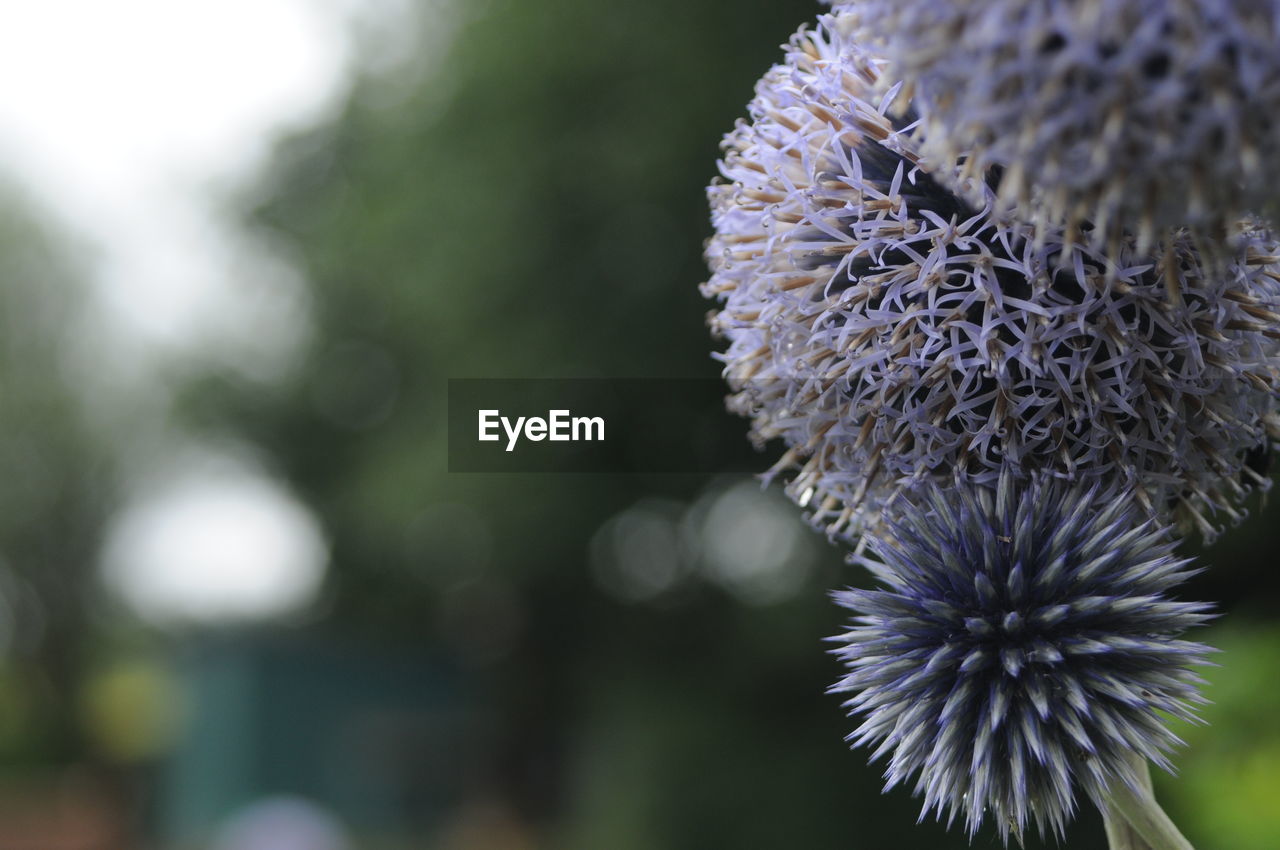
column 379, row 736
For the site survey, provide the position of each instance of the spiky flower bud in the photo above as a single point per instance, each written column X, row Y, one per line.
column 892, row 332
column 1131, row 115
column 1022, row 648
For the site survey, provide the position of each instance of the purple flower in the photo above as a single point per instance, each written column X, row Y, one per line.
column 1133, row 115
column 1023, row 647
column 891, row 331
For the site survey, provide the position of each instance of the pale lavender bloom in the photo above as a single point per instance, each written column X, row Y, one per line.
column 1133, row 115
column 891, row 332
column 1022, row 648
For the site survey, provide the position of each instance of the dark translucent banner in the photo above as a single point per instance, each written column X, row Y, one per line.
column 629, row 425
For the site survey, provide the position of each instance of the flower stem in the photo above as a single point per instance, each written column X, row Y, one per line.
column 1120, row 836
column 1135, row 821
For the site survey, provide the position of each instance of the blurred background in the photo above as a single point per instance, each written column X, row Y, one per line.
column 243, row 606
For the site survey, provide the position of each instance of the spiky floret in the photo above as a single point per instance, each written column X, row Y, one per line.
column 1136, row 115
column 1023, row 647
column 891, row 332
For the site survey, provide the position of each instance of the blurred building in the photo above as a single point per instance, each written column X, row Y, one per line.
column 375, row 735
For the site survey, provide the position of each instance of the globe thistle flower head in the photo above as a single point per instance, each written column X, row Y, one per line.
column 1022, row 648
column 892, row 331
column 1116, row 115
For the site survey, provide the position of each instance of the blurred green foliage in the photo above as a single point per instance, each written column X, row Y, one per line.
column 57, row 485
column 1229, row 777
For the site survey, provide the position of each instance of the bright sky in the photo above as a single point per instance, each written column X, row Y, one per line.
column 124, row 119
column 122, row 115
column 215, row 543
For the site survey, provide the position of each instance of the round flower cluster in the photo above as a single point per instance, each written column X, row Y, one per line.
column 1090, row 107
column 1023, row 646
column 892, row 331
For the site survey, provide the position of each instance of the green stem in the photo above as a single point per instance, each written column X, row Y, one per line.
column 1135, row 821
column 1120, row 836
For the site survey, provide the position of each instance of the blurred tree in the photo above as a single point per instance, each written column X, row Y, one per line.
column 530, row 205
column 57, row 482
